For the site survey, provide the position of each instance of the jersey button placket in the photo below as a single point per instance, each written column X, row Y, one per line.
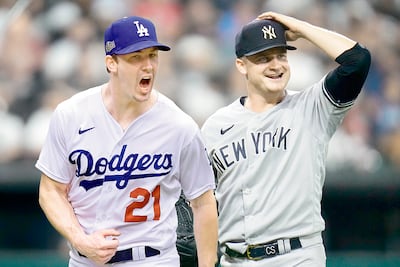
column 105, row 194
column 247, row 219
column 247, row 191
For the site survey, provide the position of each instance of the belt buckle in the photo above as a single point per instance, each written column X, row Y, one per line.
column 248, row 253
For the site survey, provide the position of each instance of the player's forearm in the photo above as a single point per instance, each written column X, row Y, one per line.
column 332, row 43
column 55, row 205
column 206, row 231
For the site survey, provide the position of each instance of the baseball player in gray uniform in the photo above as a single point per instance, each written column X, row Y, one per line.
column 116, row 159
column 268, row 148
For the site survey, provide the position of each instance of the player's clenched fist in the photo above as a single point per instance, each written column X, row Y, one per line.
column 99, row 246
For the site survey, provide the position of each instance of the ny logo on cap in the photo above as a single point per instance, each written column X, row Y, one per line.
column 270, row 31
column 141, row 30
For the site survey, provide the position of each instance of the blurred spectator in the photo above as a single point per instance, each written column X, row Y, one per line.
column 22, row 49
column 163, row 12
column 349, row 147
column 388, row 120
column 11, row 133
column 200, row 17
column 389, row 144
column 230, row 22
column 36, row 126
column 197, row 93
column 50, row 47
column 61, row 60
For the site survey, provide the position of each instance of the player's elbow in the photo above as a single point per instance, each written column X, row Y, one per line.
column 206, row 199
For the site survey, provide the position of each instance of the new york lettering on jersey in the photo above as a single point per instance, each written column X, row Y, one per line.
column 132, row 166
column 235, row 151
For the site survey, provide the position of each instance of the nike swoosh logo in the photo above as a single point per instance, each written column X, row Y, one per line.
column 223, row 131
column 84, row 130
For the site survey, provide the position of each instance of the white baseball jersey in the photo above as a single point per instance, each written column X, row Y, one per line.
column 128, row 180
column 271, row 166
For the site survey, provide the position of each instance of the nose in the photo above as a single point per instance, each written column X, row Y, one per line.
column 147, row 63
column 275, row 63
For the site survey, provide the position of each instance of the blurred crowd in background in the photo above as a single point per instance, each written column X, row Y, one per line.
column 52, row 49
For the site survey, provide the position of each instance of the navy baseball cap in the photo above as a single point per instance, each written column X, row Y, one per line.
column 260, row 35
column 131, row 34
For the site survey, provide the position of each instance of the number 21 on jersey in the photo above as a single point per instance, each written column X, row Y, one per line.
column 147, row 197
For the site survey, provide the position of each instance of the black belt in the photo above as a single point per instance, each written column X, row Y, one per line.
column 126, row 254
column 266, row 250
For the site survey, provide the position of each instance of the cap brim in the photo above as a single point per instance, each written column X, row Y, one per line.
column 140, row 46
column 253, row 52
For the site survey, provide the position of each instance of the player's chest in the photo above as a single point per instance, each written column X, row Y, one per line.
column 276, row 129
column 98, row 150
column 245, row 143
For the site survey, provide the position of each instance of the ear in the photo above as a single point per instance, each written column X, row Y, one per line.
column 241, row 66
column 111, row 65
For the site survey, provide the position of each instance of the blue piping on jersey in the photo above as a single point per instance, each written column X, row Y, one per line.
column 122, row 180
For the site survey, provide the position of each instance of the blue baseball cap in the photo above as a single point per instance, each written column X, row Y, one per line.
column 260, row 35
column 131, row 34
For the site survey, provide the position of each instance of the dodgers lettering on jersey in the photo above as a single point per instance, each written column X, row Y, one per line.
column 236, row 151
column 86, row 165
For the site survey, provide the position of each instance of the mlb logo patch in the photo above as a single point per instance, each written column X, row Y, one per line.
column 110, row 45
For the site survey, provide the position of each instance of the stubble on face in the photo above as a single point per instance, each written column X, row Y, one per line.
column 268, row 71
column 138, row 73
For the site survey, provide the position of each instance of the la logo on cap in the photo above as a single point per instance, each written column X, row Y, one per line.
column 270, row 31
column 141, row 30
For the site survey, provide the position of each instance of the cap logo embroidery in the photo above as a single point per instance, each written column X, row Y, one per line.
column 110, row 45
column 141, row 30
column 270, row 31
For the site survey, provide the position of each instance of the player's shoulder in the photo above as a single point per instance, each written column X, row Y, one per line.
column 172, row 113
column 233, row 112
column 306, row 95
column 292, row 95
column 79, row 99
column 229, row 110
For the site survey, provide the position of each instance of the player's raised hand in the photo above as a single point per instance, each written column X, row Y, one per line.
column 99, row 246
column 294, row 26
column 332, row 43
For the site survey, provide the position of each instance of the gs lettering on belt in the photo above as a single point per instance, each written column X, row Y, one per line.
column 270, row 250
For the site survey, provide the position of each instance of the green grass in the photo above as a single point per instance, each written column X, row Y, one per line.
column 16, row 258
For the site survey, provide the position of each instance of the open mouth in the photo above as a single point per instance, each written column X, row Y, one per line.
column 275, row 76
column 145, row 82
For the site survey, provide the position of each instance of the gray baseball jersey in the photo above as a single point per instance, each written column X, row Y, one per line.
column 270, row 166
column 128, row 180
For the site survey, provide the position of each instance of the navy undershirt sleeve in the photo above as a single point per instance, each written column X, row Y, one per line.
column 344, row 83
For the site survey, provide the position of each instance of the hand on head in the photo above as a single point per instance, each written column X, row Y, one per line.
column 292, row 32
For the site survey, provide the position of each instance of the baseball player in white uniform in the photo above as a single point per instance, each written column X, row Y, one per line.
column 268, row 148
column 116, row 158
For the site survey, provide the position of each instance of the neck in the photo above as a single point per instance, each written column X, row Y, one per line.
column 125, row 110
column 260, row 103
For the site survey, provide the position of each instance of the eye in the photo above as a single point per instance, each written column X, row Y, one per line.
column 261, row 59
column 135, row 57
column 282, row 57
